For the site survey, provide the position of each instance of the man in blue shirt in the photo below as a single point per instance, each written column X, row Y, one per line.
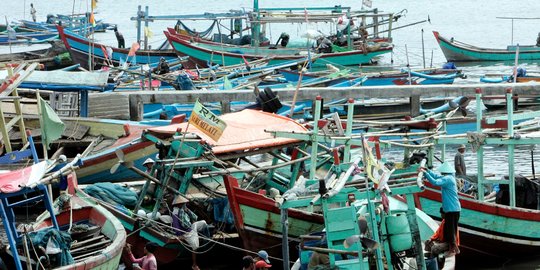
column 450, row 202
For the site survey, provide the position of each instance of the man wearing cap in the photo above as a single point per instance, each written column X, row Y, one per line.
column 459, row 162
column 261, row 265
column 262, row 255
column 450, row 202
column 186, row 221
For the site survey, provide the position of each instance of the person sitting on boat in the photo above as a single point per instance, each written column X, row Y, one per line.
column 188, row 226
column 162, row 67
column 148, row 262
column 33, row 12
column 324, row 45
column 283, row 39
column 450, row 202
column 148, row 163
column 119, row 38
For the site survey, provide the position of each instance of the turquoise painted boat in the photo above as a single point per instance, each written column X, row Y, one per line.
column 456, row 51
column 224, row 54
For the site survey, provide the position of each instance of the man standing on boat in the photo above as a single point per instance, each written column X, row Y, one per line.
column 459, row 162
column 119, row 38
column 538, row 40
column 33, row 12
column 450, row 202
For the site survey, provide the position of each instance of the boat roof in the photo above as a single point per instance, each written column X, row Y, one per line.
column 14, row 181
column 245, row 130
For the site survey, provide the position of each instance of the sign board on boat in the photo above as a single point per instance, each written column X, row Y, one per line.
column 207, row 122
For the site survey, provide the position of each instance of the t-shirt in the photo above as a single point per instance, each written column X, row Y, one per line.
column 147, row 262
column 450, row 200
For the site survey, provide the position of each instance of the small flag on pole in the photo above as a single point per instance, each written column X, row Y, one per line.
column 94, row 4
column 207, row 122
column 51, row 125
column 147, row 32
column 92, row 19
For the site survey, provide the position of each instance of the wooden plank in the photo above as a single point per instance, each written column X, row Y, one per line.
column 309, row 93
column 75, row 131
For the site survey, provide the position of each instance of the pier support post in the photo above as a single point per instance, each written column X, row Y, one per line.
column 225, row 106
column 414, row 100
column 480, row 151
column 136, row 108
column 285, row 238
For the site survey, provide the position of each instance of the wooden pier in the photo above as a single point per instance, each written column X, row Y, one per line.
column 414, row 92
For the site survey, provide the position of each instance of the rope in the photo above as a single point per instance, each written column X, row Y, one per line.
column 162, row 225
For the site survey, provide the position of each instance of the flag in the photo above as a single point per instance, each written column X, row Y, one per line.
column 92, row 19
column 207, row 122
column 367, row 3
column 227, row 85
column 94, row 4
column 147, row 32
column 12, row 35
column 51, row 125
column 134, row 47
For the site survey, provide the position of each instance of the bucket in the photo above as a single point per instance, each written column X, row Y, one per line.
column 399, row 232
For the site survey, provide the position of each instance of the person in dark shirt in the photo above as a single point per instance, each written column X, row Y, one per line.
column 119, row 38
column 459, row 162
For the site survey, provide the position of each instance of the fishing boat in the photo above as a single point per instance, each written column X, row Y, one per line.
column 244, row 137
column 271, row 221
column 27, row 37
column 456, row 51
column 87, row 235
column 224, row 54
column 421, row 77
column 82, row 49
column 489, row 229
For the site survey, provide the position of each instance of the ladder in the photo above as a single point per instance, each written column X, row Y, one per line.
column 8, row 92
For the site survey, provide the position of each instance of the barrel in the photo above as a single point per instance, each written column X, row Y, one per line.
column 399, row 232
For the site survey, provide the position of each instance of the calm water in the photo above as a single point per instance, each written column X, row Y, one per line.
column 470, row 21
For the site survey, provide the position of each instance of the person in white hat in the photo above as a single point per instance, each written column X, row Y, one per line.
column 188, row 226
column 148, row 163
column 459, row 162
column 450, row 202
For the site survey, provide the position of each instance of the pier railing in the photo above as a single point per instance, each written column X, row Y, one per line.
column 414, row 92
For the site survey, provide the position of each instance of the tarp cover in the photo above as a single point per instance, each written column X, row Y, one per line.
column 59, row 77
column 14, row 181
column 245, row 130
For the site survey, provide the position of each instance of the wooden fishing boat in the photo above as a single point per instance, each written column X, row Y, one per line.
column 421, row 77
column 79, row 48
column 54, row 57
column 488, row 229
column 224, row 54
column 456, row 51
column 96, row 237
column 245, row 136
column 274, row 221
column 98, row 139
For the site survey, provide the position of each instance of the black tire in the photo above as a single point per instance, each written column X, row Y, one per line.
column 273, row 98
column 263, row 100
